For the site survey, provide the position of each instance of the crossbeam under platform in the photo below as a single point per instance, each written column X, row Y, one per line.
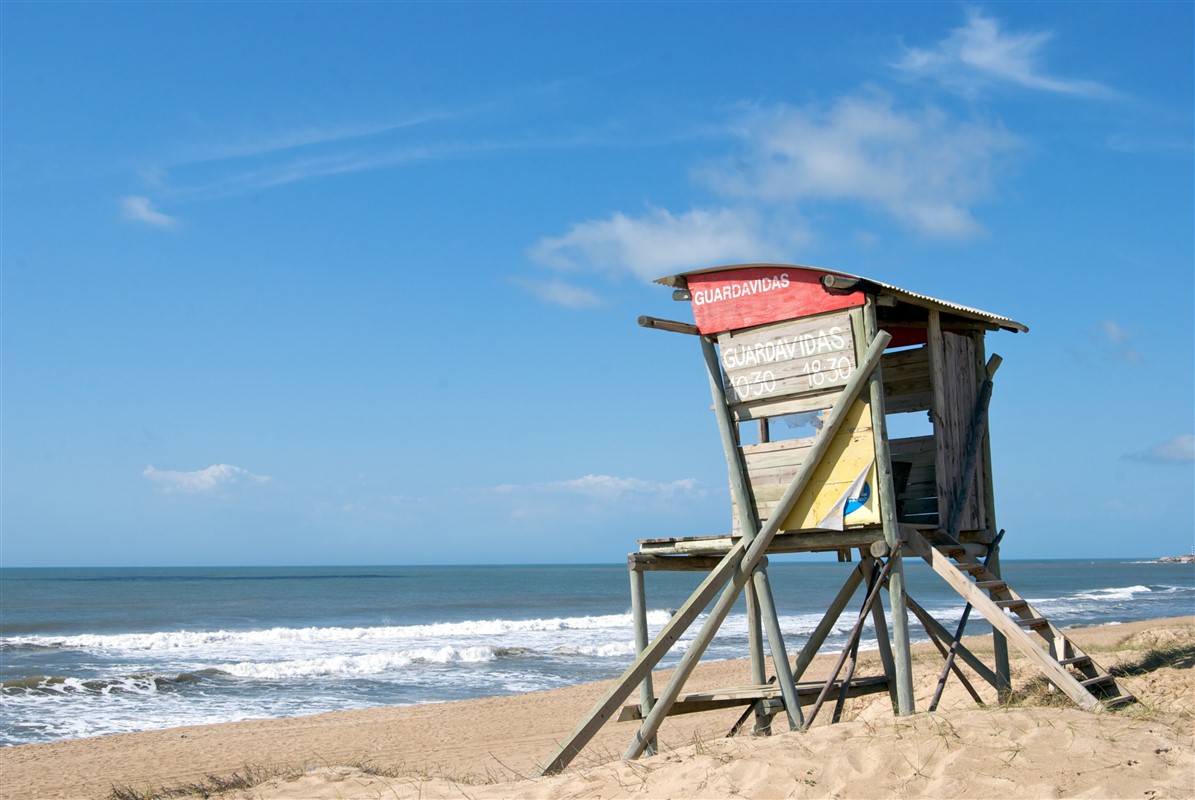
column 695, row 702
column 701, row 552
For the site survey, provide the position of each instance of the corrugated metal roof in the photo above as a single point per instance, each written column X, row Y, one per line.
column 902, row 295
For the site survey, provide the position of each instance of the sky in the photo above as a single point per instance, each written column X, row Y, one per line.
column 315, row 283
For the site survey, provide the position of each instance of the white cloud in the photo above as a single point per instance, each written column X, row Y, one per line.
column 1118, row 343
column 659, row 242
column 560, row 293
column 1179, row 450
column 140, row 209
column 202, row 481
column 606, row 488
column 922, row 168
column 980, row 53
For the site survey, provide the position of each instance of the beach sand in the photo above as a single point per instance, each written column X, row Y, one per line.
column 1040, row 746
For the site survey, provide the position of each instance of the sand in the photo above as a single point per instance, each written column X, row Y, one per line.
column 1041, row 746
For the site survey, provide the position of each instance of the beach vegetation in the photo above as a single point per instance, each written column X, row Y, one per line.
column 1179, row 655
column 247, row 777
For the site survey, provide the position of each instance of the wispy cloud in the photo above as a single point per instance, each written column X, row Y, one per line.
column 658, row 242
column 141, row 209
column 1118, row 343
column 557, row 292
column 202, row 481
column 920, row 167
column 593, row 495
column 1179, row 450
column 299, row 137
column 980, row 54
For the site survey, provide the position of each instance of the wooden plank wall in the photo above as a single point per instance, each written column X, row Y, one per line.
column 906, row 380
column 801, row 365
column 788, row 367
column 959, row 391
column 784, row 368
column 917, row 493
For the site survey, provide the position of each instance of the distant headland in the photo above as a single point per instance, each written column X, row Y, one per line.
column 1189, row 558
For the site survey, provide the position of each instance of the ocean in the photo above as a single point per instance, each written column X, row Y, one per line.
column 85, row 652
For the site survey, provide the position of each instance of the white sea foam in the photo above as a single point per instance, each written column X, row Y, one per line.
column 171, row 640
column 1102, row 595
column 357, row 665
column 609, row 650
column 1121, row 593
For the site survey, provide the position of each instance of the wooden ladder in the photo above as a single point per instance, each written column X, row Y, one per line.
column 1064, row 664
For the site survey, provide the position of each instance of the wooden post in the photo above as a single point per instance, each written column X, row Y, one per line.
column 758, row 546
column 999, row 643
column 749, row 525
column 647, row 660
column 883, row 643
column 639, row 616
column 759, row 671
column 902, row 657
column 958, row 635
column 739, row 560
column 852, row 641
column 938, row 633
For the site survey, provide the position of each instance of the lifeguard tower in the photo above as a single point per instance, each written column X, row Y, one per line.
column 805, row 366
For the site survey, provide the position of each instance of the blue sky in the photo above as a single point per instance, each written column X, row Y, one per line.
column 357, row 283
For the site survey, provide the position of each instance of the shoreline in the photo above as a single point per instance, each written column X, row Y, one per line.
column 495, row 744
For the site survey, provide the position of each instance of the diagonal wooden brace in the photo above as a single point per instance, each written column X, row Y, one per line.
column 741, row 560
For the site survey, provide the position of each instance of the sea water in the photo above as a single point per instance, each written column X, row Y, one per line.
column 85, row 652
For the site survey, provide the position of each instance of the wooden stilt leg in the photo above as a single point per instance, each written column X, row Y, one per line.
column 902, row 657
column 940, row 634
column 749, row 523
column 883, row 643
column 759, row 672
column 737, row 564
column 639, row 615
column 852, row 640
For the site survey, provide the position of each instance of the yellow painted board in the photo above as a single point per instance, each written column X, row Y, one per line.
column 851, row 457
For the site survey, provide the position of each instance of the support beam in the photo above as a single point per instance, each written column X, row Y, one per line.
column 1055, row 672
column 935, row 629
column 883, row 642
column 758, row 546
column 668, row 325
column 740, row 487
column 901, row 651
column 740, row 560
column 759, row 672
column 958, row 635
column 999, row 643
column 852, row 644
column 639, row 616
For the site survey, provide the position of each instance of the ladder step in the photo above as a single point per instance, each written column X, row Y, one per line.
column 1012, row 603
column 951, row 550
column 1034, row 622
column 1075, row 662
column 1097, row 680
column 994, row 586
column 974, row 569
column 1118, row 700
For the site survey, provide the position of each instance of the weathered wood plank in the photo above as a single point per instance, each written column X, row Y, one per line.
column 773, row 407
column 747, row 563
column 790, row 358
column 729, row 698
column 1010, row 627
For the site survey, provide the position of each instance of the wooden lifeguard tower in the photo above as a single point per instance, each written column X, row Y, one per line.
column 805, row 365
